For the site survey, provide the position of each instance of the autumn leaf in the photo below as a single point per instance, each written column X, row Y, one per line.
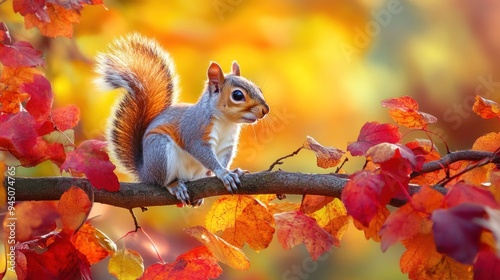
column 492, row 223
column 93, row 243
column 60, row 21
column 90, row 158
column 295, row 228
column 485, row 108
column 333, row 218
column 487, row 265
column 312, row 203
column 372, row 230
column 19, row 137
column 404, row 111
column 243, row 219
column 489, row 142
column 74, row 207
column 371, row 134
column 422, row 261
column 126, row 264
column 326, row 156
column 41, row 97
column 197, row 264
column 35, row 218
column 411, row 218
column 462, row 192
column 458, row 222
column 18, row 54
column 60, row 260
column 363, row 195
column 494, row 179
column 222, row 250
column 26, row 7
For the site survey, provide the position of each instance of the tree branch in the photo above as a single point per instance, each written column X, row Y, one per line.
column 138, row 195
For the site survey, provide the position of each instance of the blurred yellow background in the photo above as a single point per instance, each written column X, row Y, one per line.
column 324, row 66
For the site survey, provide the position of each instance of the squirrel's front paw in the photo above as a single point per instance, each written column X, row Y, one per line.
column 230, row 179
column 179, row 189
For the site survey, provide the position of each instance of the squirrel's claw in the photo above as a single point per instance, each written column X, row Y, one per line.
column 230, row 179
column 179, row 189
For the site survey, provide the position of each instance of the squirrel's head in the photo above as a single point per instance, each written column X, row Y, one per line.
column 239, row 99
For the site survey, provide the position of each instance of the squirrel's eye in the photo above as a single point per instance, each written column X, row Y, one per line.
column 237, row 95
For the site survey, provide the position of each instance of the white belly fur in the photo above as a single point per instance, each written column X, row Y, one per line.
column 181, row 165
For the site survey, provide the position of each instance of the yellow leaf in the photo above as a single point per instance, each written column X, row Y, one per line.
column 243, row 219
column 223, row 251
column 126, row 264
column 333, row 218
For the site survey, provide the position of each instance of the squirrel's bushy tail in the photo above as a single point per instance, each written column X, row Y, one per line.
column 146, row 72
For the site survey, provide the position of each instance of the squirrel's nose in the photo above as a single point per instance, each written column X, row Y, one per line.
column 265, row 109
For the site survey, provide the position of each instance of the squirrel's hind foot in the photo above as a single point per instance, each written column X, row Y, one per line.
column 179, row 189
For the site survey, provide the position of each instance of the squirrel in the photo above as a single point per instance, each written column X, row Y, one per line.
column 162, row 142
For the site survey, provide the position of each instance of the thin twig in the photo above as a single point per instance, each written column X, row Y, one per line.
column 279, row 161
column 136, row 224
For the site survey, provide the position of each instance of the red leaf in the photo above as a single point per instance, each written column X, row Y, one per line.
column 487, row 265
column 61, row 119
column 25, row 7
column 66, row 117
column 197, row 264
column 4, row 34
column 456, row 234
column 404, row 111
column 363, row 196
column 61, row 260
column 91, row 159
column 295, row 228
column 20, row 54
column 41, row 97
column 371, row 134
column 75, row 4
column 462, row 192
column 18, row 136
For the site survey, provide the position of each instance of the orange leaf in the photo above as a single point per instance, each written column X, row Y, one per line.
column 93, row 243
column 295, row 228
column 126, row 264
column 312, row 203
column 489, row 142
column 411, row 218
column 243, row 219
column 373, row 229
column 485, row 108
column 197, row 264
column 286, row 206
column 74, row 206
column 495, row 184
column 333, row 218
column 223, row 251
column 326, row 156
column 404, row 111
column 60, row 21
column 422, row 261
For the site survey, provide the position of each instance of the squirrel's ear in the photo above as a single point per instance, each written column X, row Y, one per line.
column 215, row 77
column 235, row 68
